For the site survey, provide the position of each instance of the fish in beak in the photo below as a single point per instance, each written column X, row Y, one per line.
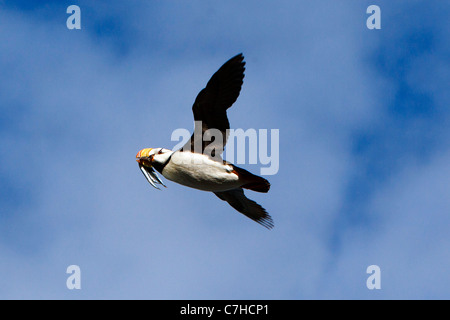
column 145, row 159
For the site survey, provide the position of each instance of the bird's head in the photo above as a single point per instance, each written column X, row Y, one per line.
column 150, row 158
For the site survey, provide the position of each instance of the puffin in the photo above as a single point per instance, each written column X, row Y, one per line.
column 198, row 164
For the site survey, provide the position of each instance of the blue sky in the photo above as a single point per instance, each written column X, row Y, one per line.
column 364, row 154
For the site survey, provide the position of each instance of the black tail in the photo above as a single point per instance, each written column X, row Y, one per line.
column 252, row 182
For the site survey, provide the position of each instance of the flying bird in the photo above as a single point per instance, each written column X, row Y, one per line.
column 198, row 164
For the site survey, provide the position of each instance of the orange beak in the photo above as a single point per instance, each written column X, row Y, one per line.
column 142, row 155
column 145, row 160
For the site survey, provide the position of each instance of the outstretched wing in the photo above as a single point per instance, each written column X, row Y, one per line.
column 237, row 199
column 210, row 106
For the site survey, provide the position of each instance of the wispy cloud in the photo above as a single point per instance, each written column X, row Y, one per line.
column 363, row 125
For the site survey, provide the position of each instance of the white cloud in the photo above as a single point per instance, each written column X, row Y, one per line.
column 408, row 238
column 86, row 112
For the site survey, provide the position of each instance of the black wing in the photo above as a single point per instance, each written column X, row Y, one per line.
column 210, row 107
column 237, row 199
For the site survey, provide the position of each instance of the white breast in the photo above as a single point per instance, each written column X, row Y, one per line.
column 200, row 172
